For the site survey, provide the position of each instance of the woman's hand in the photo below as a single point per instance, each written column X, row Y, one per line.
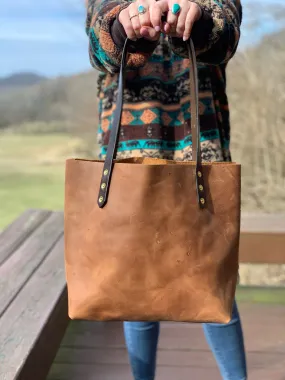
column 148, row 23
column 180, row 17
column 136, row 20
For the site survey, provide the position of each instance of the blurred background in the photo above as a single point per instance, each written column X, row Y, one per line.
column 48, row 107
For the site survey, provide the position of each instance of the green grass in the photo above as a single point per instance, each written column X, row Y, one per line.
column 263, row 295
column 32, row 172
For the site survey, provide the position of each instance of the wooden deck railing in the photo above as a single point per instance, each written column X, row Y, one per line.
column 262, row 238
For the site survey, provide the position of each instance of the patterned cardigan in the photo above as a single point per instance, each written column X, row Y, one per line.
column 156, row 112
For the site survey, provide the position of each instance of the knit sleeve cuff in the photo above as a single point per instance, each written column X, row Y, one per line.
column 119, row 37
column 216, row 34
column 136, row 58
column 200, row 35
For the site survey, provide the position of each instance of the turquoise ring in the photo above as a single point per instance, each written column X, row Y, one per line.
column 141, row 9
column 175, row 9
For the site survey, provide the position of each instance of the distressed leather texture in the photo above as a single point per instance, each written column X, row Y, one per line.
column 152, row 253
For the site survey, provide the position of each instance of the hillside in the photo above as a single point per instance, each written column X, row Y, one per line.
column 65, row 99
column 20, row 80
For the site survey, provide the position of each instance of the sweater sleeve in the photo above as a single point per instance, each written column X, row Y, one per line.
column 216, row 34
column 104, row 54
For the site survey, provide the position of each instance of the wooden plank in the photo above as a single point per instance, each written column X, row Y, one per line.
column 110, row 335
column 15, row 272
column 33, row 325
column 189, row 358
column 37, row 364
column 258, row 248
column 90, row 372
column 92, row 350
column 15, row 234
column 262, row 238
column 179, row 336
column 122, row 372
column 262, row 223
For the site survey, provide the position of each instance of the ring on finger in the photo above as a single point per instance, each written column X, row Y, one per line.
column 134, row 16
column 141, row 10
column 175, row 9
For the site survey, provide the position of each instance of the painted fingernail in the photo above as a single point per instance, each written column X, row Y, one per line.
column 157, row 28
column 144, row 32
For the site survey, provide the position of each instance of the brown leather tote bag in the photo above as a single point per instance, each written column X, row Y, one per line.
column 151, row 239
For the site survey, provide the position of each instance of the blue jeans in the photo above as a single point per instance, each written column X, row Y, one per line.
column 225, row 341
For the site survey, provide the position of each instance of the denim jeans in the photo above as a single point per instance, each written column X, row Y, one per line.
column 225, row 341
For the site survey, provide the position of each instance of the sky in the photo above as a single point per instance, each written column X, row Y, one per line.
column 48, row 36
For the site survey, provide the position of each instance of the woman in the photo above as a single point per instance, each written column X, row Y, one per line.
column 156, row 120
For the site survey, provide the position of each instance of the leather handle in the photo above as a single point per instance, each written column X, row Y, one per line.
column 195, row 125
column 195, row 130
column 114, row 135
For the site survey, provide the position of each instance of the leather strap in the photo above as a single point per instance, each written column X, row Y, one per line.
column 195, row 125
column 195, row 130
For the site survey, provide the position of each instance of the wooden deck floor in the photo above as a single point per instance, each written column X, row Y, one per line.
column 95, row 351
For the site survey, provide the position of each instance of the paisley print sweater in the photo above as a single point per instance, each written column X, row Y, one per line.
column 156, row 112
